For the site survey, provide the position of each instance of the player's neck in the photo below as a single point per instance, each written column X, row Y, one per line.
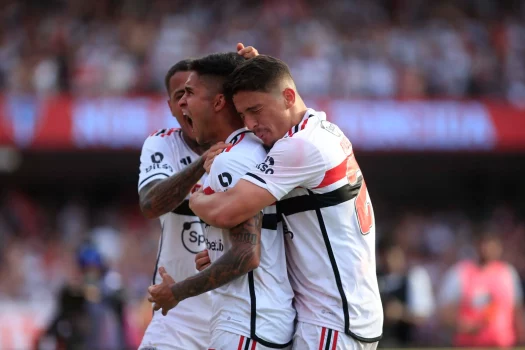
column 193, row 145
column 226, row 126
column 298, row 111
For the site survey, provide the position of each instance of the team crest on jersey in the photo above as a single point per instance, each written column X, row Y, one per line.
column 331, row 128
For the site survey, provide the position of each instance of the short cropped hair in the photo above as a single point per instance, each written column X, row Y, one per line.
column 261, row 73
column 217, row 65
column 181, row 66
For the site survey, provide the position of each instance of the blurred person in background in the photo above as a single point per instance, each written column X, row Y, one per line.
column 406, row 293
column 172, row 166
column 90, row 310
column 482, row 300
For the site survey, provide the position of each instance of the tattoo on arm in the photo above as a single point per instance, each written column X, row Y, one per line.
column 162, row 196
column 242, row 258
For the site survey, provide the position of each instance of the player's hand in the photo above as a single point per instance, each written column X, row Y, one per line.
column 213, row 152
column 202, row 260
column 247, row 52
column 161, row 295
column 195, row 196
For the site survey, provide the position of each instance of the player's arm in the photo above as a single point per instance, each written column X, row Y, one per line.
column 163, row 196
column 241, row 258
column 226, row 209
column 294, row 162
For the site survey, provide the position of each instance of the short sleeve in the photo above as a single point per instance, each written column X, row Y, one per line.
column 450, row 292
column 156, row 161
column 291, row 163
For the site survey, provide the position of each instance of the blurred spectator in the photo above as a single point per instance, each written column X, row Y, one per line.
column 482, row 300
column 374, row 48
column 90, row 308
column 406, row 293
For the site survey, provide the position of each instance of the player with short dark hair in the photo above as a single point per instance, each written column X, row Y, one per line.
column 171, row 167
column 252, row 298
column 323, row 205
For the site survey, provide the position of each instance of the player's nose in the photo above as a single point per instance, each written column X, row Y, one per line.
column 182, row 101
column 250, row 122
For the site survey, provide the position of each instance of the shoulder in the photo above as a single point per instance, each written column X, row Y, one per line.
column 314, row 132
column 240, row 158
column 296, row 150
column 163, row 137
column 245, row 146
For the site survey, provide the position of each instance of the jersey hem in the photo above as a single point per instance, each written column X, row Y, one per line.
column 340, row 329
column 274, row 344
column 231, row 330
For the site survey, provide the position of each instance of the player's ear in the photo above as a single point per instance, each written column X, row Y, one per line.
column 289, row 97
column 219, row 102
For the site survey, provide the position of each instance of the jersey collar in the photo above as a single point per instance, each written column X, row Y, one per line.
column 235, row 135
column 310, row 112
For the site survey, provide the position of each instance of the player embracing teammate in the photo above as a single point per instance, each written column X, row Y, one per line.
column 308, row 185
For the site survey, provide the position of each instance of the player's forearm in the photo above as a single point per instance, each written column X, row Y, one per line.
column 166, row 195
column 222, row 209
column 243, row 257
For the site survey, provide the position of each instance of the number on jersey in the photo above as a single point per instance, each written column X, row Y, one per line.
column 363, row 206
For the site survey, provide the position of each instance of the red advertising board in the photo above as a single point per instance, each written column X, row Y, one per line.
column 60, row 123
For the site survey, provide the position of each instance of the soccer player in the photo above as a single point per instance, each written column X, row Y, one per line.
column 252, row 298
column 172, row 166
column 323, row 204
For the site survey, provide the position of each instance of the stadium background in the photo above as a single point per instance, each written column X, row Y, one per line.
column 431, row 94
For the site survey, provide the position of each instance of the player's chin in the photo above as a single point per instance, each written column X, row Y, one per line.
column 267, row 139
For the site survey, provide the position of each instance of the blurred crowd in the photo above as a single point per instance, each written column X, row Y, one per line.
column 336, row 48
column 40, row 238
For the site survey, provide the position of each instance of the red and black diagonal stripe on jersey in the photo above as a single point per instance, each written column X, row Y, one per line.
column 164, row 132
column 236, row 139
column 298, row 127
column 328, row 339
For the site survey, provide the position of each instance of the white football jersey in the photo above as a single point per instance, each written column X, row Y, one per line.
column 329, row 227
column 164, row 154
column 257, row 305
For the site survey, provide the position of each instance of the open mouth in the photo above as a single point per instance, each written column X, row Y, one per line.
column 189, row 121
